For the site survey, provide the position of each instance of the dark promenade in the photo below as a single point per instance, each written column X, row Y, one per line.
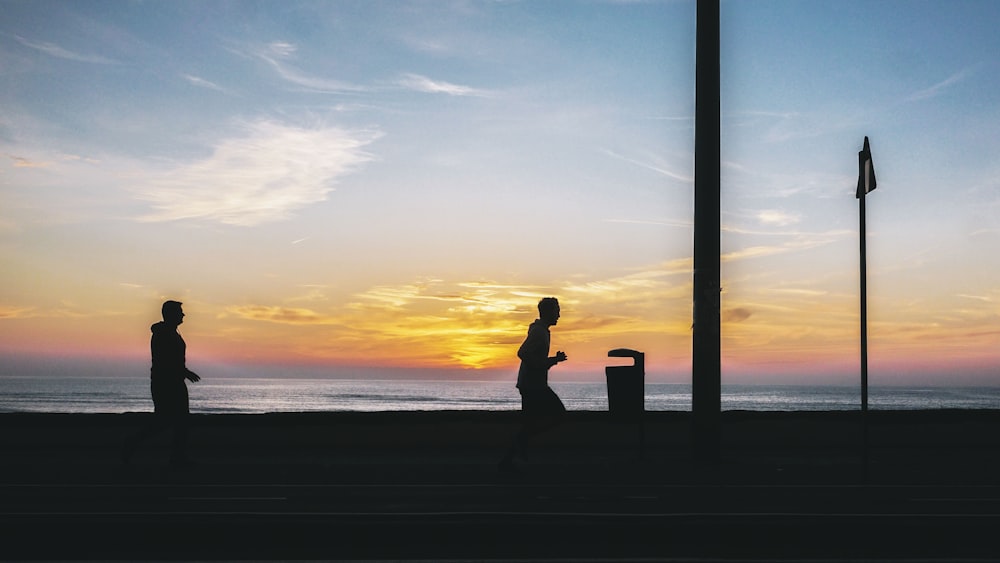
column 425, row 486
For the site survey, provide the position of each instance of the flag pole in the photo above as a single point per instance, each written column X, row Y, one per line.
column 864, row 338
column 866, row 183
column 864, row 308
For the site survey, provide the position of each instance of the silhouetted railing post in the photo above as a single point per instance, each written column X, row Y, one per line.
column 706, row 377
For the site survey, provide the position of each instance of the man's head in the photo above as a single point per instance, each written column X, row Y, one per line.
column 548, row 310
column 172, row 312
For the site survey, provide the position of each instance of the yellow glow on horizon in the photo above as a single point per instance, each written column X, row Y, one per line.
column 441, row 324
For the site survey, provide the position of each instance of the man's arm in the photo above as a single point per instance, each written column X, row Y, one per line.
column 559, row 357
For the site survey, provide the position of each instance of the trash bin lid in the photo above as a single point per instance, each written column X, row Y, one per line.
column 638, row 357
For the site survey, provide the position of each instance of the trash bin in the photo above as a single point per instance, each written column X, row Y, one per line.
column 626, row 386
column 627, row 393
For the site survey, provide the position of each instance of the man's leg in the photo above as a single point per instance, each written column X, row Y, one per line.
column 541, row 410
column 547, row 412
column 178, row 446
column 180, row 420
column 161, row 403
column 152, row 428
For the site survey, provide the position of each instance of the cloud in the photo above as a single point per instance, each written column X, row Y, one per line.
column 426, row 85
column 275, row 54
column 781, row 127
column 777, row 217
column 940, row 87
column 736, row 315
column 201, row 82
column 752, row 181
column 282, row 49
column 661, row 169
column 798, row 292
column 265, row 175
column 764, row 251
column 639, row 286
column 678, row 224
column 284, row 315
column 10, row 312
column 475, row 324
column 54, row 50
column 33, row 162
column 78, row 158
column 23, row 162
column 65, row 310
column 463, row 297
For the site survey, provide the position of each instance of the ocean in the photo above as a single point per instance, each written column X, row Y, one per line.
column 254, row 396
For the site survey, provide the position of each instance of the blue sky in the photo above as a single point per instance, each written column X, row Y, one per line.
column 395, row 184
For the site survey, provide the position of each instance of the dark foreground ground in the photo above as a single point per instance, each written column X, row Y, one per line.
column 425, row 486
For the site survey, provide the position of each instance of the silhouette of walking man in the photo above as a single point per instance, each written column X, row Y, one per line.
column 540, row 406
column 170, row 393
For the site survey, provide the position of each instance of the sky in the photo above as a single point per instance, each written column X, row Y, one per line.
column 344, row 188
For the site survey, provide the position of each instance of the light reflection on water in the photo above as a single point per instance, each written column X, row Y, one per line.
column 244, row 395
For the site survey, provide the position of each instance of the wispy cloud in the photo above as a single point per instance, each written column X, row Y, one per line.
column 736, row 314
column 679, row 224
column 423, row 84
column 643, row 286
column 277, row 53
column 682, row 118
column 264, row 175
column 24, row 162
column 940, row 87
column 797, row 291
column 478, row 324
column 764, row 251
column 431, row 322
column 49, row 160
column 762, row 183
column 64, row 310
column 655, row 167
column 10, row 312
column 54, row 50
column 778, row 217
column 781, row 127
column 983, row 298
column 284, row 315
column 282, row 49
column 202, row 83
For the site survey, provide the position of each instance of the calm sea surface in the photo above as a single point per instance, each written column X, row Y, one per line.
column 249, row 396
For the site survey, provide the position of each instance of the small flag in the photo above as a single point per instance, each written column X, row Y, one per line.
column 866, row 171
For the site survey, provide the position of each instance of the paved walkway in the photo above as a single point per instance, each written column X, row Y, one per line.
column 425, row 486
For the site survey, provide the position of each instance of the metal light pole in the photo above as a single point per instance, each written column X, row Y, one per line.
column 706, row 386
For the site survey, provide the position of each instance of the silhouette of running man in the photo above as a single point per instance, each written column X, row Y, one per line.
column 540, row 406
column 170, row 393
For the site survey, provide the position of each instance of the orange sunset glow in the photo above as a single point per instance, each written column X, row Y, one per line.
column 341, row 185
